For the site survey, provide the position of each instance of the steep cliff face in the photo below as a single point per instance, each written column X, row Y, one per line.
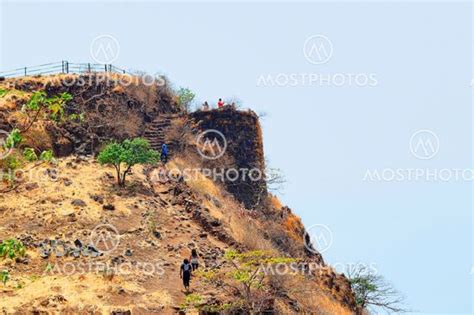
column 243, row 135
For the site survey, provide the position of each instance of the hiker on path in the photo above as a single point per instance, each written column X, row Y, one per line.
column 220, row 103
column 194, row 259
column 164, row 153
column 185, row 273
column 205, row 106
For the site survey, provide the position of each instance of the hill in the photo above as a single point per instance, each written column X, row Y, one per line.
column 95, row 247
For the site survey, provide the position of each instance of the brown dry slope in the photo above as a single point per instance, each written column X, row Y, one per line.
column 146, row 229
column 158, row 235
column 158, row 227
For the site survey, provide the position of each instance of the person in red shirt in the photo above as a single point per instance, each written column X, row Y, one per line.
column 220, row 104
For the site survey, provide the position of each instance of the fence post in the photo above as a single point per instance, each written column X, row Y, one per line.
column 89, row 67
column 67, row 66
column 25, row 71
column 62, row 66
column 105, row 67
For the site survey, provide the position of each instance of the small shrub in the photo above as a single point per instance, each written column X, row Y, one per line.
column 4, row 276
column 9, row 166
column 30, row 155
column 53, row 107
column 77, row 117
column 49, row 268
column 47, row 156
column 191, row 301
column 12, row 162
column 372, row 291
column 151, row 225
column 13, row 139
column 12, row 248
column 19, row 285
column 247, row 275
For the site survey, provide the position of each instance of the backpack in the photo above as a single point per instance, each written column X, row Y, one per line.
column 186, row 267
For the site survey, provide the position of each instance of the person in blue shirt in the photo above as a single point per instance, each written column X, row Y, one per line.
column 164, row 153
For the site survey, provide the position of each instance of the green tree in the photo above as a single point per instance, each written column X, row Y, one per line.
column 185, row 98
column 123, row 156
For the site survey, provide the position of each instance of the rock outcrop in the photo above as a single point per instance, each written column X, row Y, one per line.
column 243, row 134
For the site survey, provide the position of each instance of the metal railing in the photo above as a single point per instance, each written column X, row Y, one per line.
column 61, row 67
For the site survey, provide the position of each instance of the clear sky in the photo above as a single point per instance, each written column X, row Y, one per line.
column 418, row 56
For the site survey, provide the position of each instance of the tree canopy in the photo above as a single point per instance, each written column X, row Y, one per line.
column 123, row 156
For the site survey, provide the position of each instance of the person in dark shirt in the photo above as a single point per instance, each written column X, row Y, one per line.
column 185, row 273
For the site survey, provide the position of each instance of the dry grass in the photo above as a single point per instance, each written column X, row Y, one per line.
column 246, row 232
column 57, row 197
column 242, row 227
column 274, row 202
column 313, row 297
column 37, row 137
column 294, row 227
column 45, row 211
column 195, row 180
column 85, row 295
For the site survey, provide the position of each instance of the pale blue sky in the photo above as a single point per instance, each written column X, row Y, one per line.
column 418, row 234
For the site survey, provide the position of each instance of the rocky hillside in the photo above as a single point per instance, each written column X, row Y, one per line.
column 105, row 107
column 94, row 247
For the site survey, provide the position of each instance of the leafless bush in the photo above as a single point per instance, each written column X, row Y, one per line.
column 373, row 292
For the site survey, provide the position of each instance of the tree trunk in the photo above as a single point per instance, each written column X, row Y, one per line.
column 123, row 179
column 119, row 181
column 125, row 175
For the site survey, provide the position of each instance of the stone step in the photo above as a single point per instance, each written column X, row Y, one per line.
column 155, row 124
column 154, row 135
column 161, row 129
column 157, row 129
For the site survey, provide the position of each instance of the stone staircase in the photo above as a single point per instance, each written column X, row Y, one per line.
column 156, row 131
